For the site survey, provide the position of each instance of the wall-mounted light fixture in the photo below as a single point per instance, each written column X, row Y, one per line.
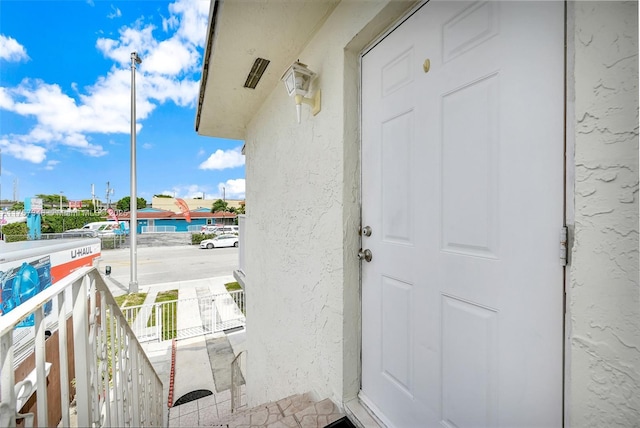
column 297, row 80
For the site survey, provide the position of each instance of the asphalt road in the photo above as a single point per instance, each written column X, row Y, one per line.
column 159, row 265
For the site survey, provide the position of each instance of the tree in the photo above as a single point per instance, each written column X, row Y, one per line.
column 50, row 201
column 124, row 203
column 162, row 196
column 87, row 204
column 18, row 206
column 219, row 205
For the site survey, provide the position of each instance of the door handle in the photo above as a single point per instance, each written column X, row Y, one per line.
column 365, row 255
column 365, row 231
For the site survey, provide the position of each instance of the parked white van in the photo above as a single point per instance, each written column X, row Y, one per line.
column 219, row 229
column 98, row 227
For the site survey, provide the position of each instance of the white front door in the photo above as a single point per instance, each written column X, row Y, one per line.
column 462, row 187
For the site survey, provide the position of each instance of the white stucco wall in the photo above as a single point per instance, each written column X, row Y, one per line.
column 302, row 219
column 302, row 275
column 603, row 358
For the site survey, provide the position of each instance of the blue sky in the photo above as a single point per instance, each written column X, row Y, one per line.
column 65, row 91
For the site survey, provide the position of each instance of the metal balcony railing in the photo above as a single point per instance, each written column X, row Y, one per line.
column 201, row 315
column 114, row 382
column 158, row 229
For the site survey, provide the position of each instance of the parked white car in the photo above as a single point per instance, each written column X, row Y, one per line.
column 220, row 241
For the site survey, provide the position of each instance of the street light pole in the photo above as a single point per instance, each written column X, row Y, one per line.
column 61, row 192
column 133, row 201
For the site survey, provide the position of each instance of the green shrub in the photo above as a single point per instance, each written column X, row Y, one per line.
column 197, row 238
column 14, row 232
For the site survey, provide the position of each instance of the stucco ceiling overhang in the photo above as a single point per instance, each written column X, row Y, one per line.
column 239, row 32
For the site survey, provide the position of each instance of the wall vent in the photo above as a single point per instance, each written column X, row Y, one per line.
column 259, row 66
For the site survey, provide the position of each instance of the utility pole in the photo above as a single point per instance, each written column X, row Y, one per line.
column 109, row 193
column 93, row 197
column 133, row 202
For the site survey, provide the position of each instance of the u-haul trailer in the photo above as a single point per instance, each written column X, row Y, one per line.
column 27, row 268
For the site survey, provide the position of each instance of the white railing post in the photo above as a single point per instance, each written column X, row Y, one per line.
column 135, row 392
column 120, row 357
column 93, row 354
column 104, row 360
column 41, row 374
column 81, row 348
column 159, row 321
column 7, row 391
column 64, row 360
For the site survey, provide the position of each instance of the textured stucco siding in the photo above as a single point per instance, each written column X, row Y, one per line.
column 603, row 359
column 301, row 223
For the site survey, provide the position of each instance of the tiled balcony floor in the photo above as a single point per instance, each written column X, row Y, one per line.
column 298, row 411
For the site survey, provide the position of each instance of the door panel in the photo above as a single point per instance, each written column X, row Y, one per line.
column 462, row 168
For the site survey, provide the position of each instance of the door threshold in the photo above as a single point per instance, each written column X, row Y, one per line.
column 361, row 415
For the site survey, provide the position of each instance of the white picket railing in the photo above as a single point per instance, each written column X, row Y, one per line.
column 201, row 315
column 158, row 229
column 115, row 384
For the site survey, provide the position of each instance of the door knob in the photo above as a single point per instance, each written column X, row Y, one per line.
column 365, row 255
column 365, row 231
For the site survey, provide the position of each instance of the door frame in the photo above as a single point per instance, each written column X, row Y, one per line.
column 354, row 53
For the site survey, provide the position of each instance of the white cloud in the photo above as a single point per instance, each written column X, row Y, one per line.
column 232, row 189
column 224, row 159
column 194, row 16
column 115, row 13
column 6, row 102
column 11, row 50
column 188, row 191
column 170, row 57
column 24, row 151
column 147, row 146
column 51, row 164
column 169, row 73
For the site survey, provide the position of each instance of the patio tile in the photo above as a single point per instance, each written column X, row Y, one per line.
column 208, row 417
column 294, row 404
column 186, row 408
column 206, row 402
column 318, row 415
column 265, row 415
column 174, row 422
column 189, row 420
column 224, row 411
column 223, row 396
column 286, row 422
